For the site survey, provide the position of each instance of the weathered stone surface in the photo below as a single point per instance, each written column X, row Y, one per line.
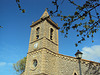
column 49, row 61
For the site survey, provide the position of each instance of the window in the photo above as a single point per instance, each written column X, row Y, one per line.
column 37, row 36
column 75, row 74
column 37, row 32
column 51, row 34
column 35, row 63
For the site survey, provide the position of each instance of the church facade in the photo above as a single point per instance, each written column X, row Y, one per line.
column 43, row 57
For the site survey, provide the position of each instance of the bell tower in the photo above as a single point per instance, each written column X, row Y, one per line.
column 44, row 36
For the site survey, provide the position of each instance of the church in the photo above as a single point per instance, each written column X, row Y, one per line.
column 43, row 56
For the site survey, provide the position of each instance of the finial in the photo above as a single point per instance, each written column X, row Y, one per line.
column 45, row 14
column 46, row 9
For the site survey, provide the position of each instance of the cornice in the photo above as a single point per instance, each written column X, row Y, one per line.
column 36, row 40
column 42, row 19
column 42, row 38
column 65, row 57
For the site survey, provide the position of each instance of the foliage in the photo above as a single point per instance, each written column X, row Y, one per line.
column 84, row 29
column 19, row 6
column 19, row 67
column 1, row 27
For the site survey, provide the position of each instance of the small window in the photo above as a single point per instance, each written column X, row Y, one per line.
column 35, row 63
column 37, row 36
column 75, row 74
column 51, row 34
column 37, row 32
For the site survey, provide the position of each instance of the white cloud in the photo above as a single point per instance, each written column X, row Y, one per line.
column 91, row 53
column 2, row 63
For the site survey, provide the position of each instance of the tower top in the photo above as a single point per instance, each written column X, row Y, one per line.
column 45, row 14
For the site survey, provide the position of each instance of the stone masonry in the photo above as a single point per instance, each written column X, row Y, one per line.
column 43, row 57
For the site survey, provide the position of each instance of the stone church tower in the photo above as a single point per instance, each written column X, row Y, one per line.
column 44, row 37
column 43, row 57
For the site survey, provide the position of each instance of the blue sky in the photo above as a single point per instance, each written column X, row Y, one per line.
column 15, row 34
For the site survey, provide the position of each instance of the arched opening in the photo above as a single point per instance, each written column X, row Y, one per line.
column 51, row 34
column 37, row 32
column 35, row 63
column 75, row 74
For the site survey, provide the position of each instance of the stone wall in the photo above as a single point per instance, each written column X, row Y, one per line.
column 30, row 69
column 57, row 64
column 50, row 63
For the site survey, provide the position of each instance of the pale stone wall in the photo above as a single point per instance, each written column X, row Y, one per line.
column 33, row 31
column 48, row 26
column 56, row 64
column 40, row 45
column 50, row 63
column 30, row 69
column 44, row 33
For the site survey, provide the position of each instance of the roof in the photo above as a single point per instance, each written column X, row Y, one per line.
column 45, row 16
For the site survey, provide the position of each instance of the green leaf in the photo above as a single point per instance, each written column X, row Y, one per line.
column 77, row 30
column 99, row 20
column 1, row 27
column 84, row 35
column 53, row 2
column 92, row 32
column 80, row 24
column 62, row 19
column 81, row 32
column 83, row 39
column 97, row 13
column 92, row 36
column 89, row 32
column 17, row 0
column 81, row 18
column 66, row 33
column 65, row 17
column 58, row 14
column 68, row 20
column 19, row 6
column 76, row 13
column 68, row 27
column 87, row 36
column 76, row 44
column 92, row 41
column 51, row 12
column 80, row 8
column 23, row 10
column 79, row 41
column 86, row 26
column 62, row 31
column 91, row 21
column 65, row 24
